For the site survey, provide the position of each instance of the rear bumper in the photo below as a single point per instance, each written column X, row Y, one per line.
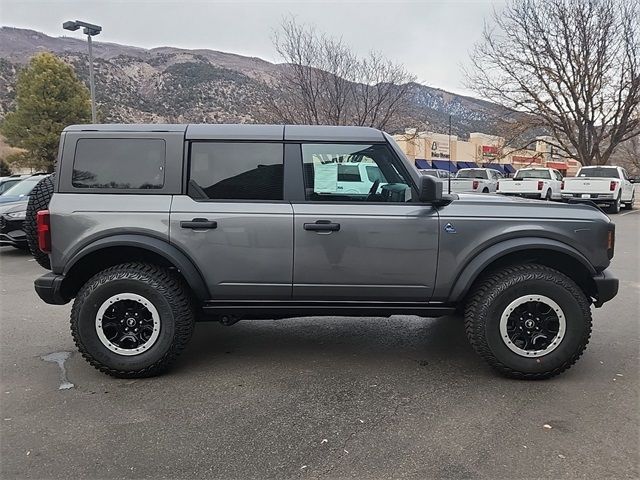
column 606, row 287
column 534, row 195
column 49, row 289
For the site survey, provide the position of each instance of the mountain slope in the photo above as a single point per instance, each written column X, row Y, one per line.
column 169, row 84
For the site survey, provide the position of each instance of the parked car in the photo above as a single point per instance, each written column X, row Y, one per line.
column 437, row 173
column 12, row 217
column 478, row 180
column 20, row 190
column 8, row 182
column 535, row 182
column 352, row 177
column 149, row 227
column 606, row 186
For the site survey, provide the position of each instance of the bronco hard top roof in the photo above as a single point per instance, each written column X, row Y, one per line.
column 314, row 133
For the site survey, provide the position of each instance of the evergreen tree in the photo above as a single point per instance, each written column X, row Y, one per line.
column 49, row 97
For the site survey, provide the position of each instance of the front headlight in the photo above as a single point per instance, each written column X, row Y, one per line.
column 17, row 215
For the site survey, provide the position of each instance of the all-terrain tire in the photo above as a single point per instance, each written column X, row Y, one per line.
column 38, row 200
column 166, row 291
column 490, row 298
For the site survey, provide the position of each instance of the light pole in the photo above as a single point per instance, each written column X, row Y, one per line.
column 89, row 30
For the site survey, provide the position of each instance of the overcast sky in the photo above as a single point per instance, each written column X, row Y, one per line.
column 432, row 38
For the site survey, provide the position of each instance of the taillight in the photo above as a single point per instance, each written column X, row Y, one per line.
column 611, row 240
column 613, row 185
column 44, row 231
column 562, row 185
column 475, row 184
column 540, row 184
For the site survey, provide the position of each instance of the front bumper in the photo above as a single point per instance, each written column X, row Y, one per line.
column 12, row 233
column 49, row 289
column 606, row 287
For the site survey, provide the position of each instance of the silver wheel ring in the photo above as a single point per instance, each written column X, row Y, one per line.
column 555, row 342
column 128, row 351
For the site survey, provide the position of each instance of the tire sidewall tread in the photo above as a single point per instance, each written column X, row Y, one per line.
column 169, row 295
column 492, row 295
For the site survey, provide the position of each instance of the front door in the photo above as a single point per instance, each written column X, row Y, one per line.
column 368, row 244
column 233, row 223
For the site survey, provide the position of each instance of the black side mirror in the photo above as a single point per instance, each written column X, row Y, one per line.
column 632, row 180
column 430, row 189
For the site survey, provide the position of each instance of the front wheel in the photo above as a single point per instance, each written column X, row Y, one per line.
column 132, row 320
column 629, row 205
column 528, row 321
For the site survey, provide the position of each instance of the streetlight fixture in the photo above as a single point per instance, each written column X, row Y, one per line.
column 89, row 30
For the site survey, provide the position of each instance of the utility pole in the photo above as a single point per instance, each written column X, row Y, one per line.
column 89, row 30
column 449, row 178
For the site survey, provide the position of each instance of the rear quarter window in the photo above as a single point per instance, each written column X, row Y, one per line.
column 119, row 163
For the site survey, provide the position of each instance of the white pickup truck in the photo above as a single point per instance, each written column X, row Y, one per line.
column 606, row 186
column 479, row 180
column 542, row 183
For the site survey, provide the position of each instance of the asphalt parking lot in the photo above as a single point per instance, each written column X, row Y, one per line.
column 404, row 397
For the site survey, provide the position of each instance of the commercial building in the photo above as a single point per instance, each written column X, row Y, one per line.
column 437, row 150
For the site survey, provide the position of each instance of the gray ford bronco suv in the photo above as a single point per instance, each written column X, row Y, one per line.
column 152, row 227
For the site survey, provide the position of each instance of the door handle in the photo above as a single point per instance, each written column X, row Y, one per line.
column 322, row 226
column 199, row 224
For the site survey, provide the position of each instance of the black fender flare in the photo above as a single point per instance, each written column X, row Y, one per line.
column 173, row 255
column 477, row 265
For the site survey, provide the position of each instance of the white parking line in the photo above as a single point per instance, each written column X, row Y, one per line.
column 629, row 213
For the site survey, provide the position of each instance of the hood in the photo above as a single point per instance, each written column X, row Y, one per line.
column 13, row 198
column 11, row 207
column 494, row 205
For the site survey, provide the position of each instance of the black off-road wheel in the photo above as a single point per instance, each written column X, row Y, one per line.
column 133, row 320
column 38, row 200
column 528, row 322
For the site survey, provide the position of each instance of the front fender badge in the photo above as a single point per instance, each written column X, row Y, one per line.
column 449, row 228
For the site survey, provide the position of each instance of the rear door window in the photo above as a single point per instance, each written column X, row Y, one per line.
column 236, row 171
column 119, row 163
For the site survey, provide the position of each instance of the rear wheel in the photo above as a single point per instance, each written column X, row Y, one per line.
column 38, row 200
column 529, row 321
column 548, row 195
column 485, row 190
column 132, row 320
column 615, row 207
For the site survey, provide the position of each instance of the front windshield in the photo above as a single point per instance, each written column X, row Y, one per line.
column 22, row 188
column 472, row 173
column 600, row 172
column 522, row 174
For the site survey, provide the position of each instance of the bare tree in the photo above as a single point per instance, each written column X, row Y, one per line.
column 324, row 82
column 574, row 65
column 628, row 155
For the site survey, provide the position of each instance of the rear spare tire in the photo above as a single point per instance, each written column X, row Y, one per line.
column 38, row 200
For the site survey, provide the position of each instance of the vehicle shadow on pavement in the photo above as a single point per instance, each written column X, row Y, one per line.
column 11, row 252
column 343, row 341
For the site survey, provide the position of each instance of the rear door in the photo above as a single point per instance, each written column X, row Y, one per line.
column 378, row 244
column 233, row 221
